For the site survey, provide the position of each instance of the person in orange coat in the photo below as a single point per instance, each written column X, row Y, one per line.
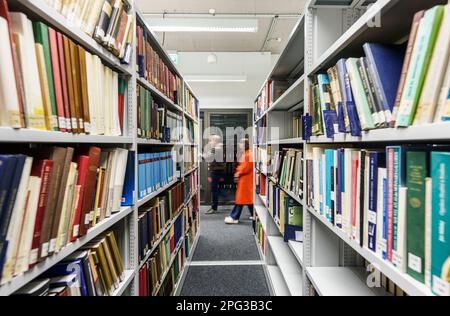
column 244, row 175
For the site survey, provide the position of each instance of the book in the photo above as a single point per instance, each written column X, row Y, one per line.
column 428, row 102
column 420, row 60
column 440, row 284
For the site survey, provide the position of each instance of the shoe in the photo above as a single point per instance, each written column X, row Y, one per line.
column 229, row 220
column 252, row 218
column 210, row 211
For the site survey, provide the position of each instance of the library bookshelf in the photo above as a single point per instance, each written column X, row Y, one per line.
column 328, row 261
column 125, row 222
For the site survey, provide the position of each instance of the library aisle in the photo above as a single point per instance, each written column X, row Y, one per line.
column 225, row 261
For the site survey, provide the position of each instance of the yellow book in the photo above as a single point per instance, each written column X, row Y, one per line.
column 97, row 196
column 110, row 262
column 44, row 87
column 117, row 258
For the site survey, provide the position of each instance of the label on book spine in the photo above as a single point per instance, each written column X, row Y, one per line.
column 415, row 262
column 33, row 256
column 76, row 230
column 44, row 249
column 52, row 245
column 440, row 287
column 62, row 123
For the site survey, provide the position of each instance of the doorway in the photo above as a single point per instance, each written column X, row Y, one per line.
column 218, row 121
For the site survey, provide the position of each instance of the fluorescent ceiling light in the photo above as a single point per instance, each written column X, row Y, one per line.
column 215, row 78
column 202, row 25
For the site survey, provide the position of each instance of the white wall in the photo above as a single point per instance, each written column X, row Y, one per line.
column 227, row 95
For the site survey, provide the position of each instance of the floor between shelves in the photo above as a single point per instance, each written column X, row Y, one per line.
column 226, row 260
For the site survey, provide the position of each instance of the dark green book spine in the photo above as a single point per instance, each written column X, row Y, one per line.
column 416, row 172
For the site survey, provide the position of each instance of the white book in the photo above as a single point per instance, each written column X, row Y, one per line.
column 119, row 178
column 317, row 155
column 399, row 258
column 112, row 179
column 443, row 108
column 128, row 29
column 115, row 104
column 9, row 100
column 100, row 94
column 66, row 212
column 436, row 73
column 107, row 100
column 380, row 245
column 92, row 18
column 92, row 93
column 347, row 197
column 323, row 208
column 428, row 199
column 15, row 225
column 29, row 219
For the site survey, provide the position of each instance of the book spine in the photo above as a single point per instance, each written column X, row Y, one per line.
column 373, row 200
column 390, row 197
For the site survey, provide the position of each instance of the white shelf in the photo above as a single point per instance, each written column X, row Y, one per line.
column 159, row 94
column 340, row 281
column 297, row 250
column 287, row 141
column 160, row 238
column 129, row 275
column 262, row 213
column 420, row 133
column 10, row 135
column 288, row 264
column 277, row 281
column 403, row 280
column 290, row 193
column 292, row 98
column 156, row 193
column 263, row 200
column 55, row 19
column 19, row 281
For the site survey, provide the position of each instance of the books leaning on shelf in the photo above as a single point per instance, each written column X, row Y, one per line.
column 287, row 170
column 361, row 93
column 191, row 185
column 95, row 270
column 389, row 201
column 152, row 67
column 287, row 213
column 62, row 87
column 190, row 103
column 155, row 216
column 109, row 22
column 190, row 157
column 191, row 132
column 191, row 215
column 155, row 170
column 260, row 234
column 155, row 276
column 53, row 196
column 156, row 121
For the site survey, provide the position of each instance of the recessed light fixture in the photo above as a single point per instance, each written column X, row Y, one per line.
column 212, row 58
column 212, row 11
column 215, row 78
column 203, row 25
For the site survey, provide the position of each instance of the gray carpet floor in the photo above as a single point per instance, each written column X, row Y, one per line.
column 221, row 242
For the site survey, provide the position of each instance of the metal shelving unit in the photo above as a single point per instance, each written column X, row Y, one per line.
column 330, row 32
column 126, row 221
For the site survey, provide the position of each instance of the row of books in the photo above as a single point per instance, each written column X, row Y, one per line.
column 261, row 128
column 95, row 270
column 260, row 234
column 155, row 170
column 287, row 213
column 60, row 86
column 190, row 154
column 155, row 216
column 109, row 22
column 392, row 86
column 159, row 264
column 390, row 201
column 261, row 159
column 52, row 197
column 190, row 103
column 271, row 92
column 152, row 67
column 191, row 213
column 261, row 184
column 191, row 132
column 287, row 170
column 191, row 184
column 297, row 129
column 156, row 121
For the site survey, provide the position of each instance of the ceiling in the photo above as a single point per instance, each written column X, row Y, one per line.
column 263, row 10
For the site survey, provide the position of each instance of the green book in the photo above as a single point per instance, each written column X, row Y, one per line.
column 41, row 37
column 295, row 215
column 317, row 128
column 416, row 173
column 362, row 104
column 420, row 60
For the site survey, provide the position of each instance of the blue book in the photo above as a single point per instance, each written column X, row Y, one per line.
column 440, row 221
column 385, row 67
column 128, row 184
column 329, row 167
column 140, row 176
column 330, row 119
column 69, row 268
column 349, row 101
column 385, row 217
column 340, row 186
column 321, row 193
column 376, row 160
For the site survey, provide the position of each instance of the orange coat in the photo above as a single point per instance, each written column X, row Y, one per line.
column 244, row 171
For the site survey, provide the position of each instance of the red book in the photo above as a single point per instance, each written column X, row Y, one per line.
column 4, row 12
column 57, row 79
column 42, row 169
column 83, row 165
column 88, row 193
column 65, row 92
column 390, row 202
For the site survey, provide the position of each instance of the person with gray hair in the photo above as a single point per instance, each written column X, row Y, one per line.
column 214, row 155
